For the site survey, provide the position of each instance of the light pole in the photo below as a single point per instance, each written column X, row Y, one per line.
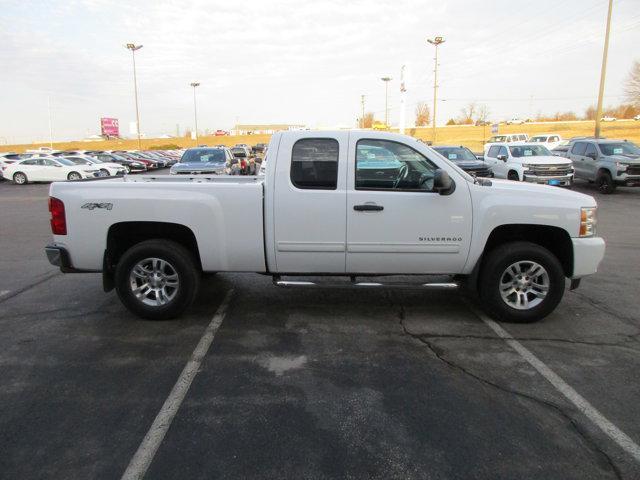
column 362, row 116
column 403, row 91
column 435, row 42
column 386, row 81
column 603, row 71
column 133, row 48
column 195, row 109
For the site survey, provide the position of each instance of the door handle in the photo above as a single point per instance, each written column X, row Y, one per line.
column 368, row 207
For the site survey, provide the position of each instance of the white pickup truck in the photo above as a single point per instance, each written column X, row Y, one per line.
column 352, row 204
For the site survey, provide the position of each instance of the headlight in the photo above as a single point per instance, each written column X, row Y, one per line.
column 621, row 166
column 588, row 221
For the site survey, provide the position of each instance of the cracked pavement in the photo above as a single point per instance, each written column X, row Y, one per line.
column 312, row 383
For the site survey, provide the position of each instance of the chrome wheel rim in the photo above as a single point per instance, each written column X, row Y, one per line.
column 74, row 176
column 19, row 178
column 524, row 285
column 154, row 282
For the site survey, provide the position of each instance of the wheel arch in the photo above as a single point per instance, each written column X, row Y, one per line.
column 124, row 235
column 555, row 239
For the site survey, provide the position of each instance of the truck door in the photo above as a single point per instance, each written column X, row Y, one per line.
column 396, row 223
column 590, row 157
column 576, row 154
column 309, row 203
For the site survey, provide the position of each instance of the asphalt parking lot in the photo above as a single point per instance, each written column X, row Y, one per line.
column 315, row 383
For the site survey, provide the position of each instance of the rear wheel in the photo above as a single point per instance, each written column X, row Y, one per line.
column 513, row 176
column 605, row 183
column 74, row 176
column 104, row 172
column 127, row 169
column 521, row 282
column 157, row 279
column 20, row 178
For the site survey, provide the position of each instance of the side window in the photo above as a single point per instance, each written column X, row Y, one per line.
column 50, row 163
column 503, row 151
column 578, row 148
column 30, row 162
column 493, row 151
column 104, row 158
column 553, row 139
column 388, row 165
column 314, row 163
column 590, row 150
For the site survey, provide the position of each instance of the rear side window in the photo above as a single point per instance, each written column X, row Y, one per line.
column 578, row 148
column 591, row 149
column 314, row 163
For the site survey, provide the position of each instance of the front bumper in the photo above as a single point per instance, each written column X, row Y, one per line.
column 559, row 180
column 626, row 180
column 587, row 255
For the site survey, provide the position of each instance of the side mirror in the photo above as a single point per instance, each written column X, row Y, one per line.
column 442, row 182
column 480, row 157
column 502, row 157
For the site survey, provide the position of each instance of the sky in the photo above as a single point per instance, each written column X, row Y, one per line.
column 299, row 61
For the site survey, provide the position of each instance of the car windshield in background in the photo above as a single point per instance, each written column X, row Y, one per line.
column 622, row 148
column 239, row 152
column 76, row 160
column 203, row 156
column 66, row 162
column 456, row 154
column 529, row 151
column 497, row 138
column 538, row 139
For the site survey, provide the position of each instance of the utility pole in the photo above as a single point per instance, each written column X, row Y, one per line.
column 133, row 48
column 362, row 117
column 435, row 42
column 386, row 81
column 50, row 124
column 403, row 91
column 603, row 71
column 195, row 108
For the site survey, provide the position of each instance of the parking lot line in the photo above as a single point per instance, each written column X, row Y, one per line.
column 146, row 451
column 604, row 424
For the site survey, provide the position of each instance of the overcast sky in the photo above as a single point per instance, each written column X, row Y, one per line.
column 297, row 61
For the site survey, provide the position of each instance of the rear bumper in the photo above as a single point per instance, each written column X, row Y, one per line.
column 587, row 255
column 59, row 257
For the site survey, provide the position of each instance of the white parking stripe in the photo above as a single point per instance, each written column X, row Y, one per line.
column 613, row 432
column 4, row 292
column 146, row 451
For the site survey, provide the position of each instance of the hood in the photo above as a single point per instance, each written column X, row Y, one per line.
column 199, row 166
column 534, row 190
column 625, row 158
column 543, row 160
column 471, row 164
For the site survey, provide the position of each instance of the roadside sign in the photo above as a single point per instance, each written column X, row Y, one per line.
column 494, row 128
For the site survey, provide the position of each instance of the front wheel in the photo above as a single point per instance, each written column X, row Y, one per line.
column 521, row 282
column 513, row 176
column 605, row 183
column 74, row 176
column 157, row 279
column 104, row 172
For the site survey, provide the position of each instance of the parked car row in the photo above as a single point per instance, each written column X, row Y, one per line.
column 49, row 165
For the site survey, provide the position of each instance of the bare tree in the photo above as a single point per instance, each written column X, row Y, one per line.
column 590, row 113
column 632, row 85
column 483, row 113
column 367, row 120
column 468, row 113
column 423, row 115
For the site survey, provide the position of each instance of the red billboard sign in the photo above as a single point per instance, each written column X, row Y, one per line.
column 109, row 127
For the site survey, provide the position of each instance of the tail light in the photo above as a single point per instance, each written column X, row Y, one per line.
column 58, row 218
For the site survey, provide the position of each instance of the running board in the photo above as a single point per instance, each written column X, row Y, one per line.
column 278, row 282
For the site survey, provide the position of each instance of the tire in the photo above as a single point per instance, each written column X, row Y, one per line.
column 105, row 172
column 508, row 304
column 512, row 175
column 605, row 183
column 20, row 178
column 163, row 300
column 74, row 176
column 127, row 169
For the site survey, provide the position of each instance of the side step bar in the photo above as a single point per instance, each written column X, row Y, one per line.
column 278, row 282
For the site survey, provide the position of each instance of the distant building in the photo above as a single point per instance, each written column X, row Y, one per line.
column 265, row 129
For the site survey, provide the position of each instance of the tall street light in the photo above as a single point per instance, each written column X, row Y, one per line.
column 435, row 42
column 603, row 71
column 386, row 81
column 195, row 108
column 133, row 48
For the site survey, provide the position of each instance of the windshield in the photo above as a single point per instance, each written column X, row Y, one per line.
column 203, row 155
column 456, row 154
column 622, row 148
column 239, row 152
column 76, row 160
column 497, row 138
column 529, row 151
column 538, row 139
